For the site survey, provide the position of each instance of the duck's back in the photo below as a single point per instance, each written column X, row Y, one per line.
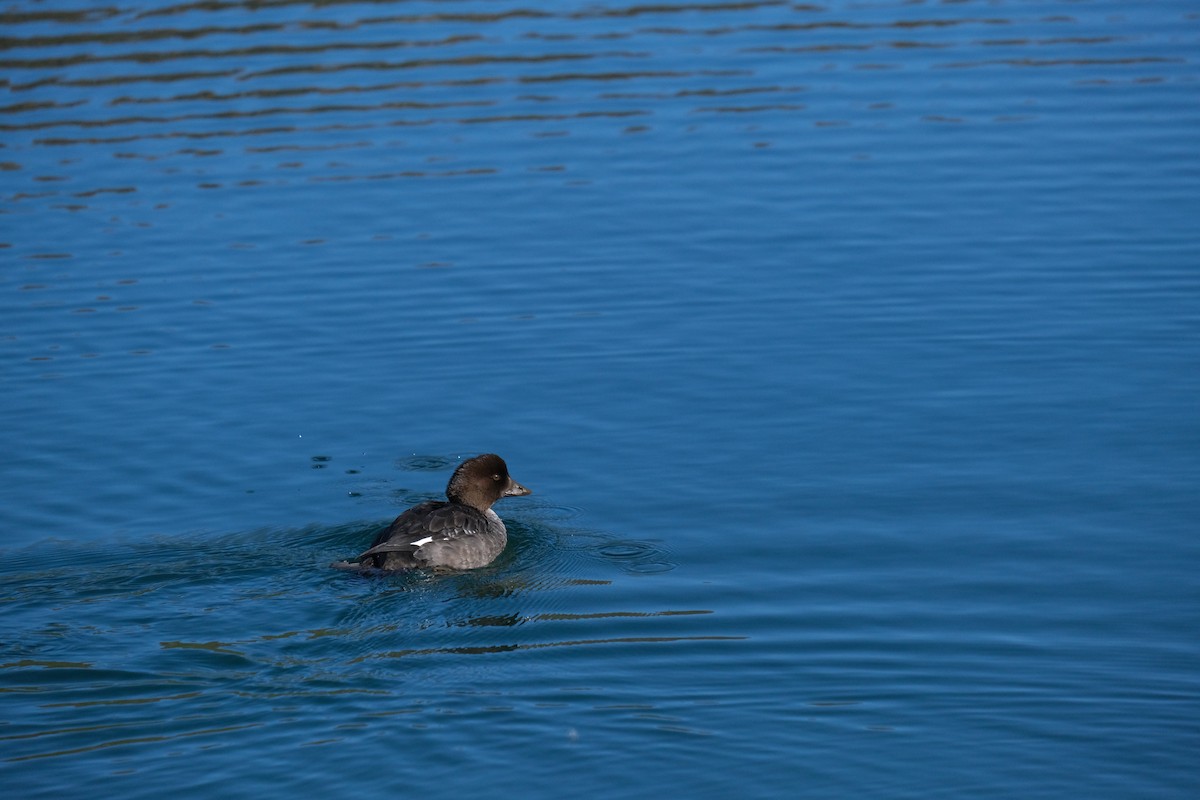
column 438, row 534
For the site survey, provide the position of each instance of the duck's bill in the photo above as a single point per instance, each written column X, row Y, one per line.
column 516, row 490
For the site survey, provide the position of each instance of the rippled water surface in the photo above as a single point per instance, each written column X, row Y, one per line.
column 850, row 351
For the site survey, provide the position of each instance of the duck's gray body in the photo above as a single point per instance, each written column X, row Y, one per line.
column 439, row 534
column 460, row 533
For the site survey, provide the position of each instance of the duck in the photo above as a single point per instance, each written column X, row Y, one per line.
column 460, row 533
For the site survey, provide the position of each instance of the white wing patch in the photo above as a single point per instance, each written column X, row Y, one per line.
column 420, row 542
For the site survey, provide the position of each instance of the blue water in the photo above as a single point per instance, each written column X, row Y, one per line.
column 850, row 351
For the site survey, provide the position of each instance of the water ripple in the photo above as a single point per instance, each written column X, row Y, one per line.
column 921, row 275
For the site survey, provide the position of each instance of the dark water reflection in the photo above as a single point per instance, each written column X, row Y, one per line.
column 442, row 64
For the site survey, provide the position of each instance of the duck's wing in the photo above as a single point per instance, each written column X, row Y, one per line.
column 433, row 521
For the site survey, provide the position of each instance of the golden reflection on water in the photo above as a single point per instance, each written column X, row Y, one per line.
column 32, row 662
column 136, row 740
column 508, row 648
column 199, row 691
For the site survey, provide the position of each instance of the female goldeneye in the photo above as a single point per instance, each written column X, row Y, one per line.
column 463, row 533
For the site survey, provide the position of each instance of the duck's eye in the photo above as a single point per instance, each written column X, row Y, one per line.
column 496, row 478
